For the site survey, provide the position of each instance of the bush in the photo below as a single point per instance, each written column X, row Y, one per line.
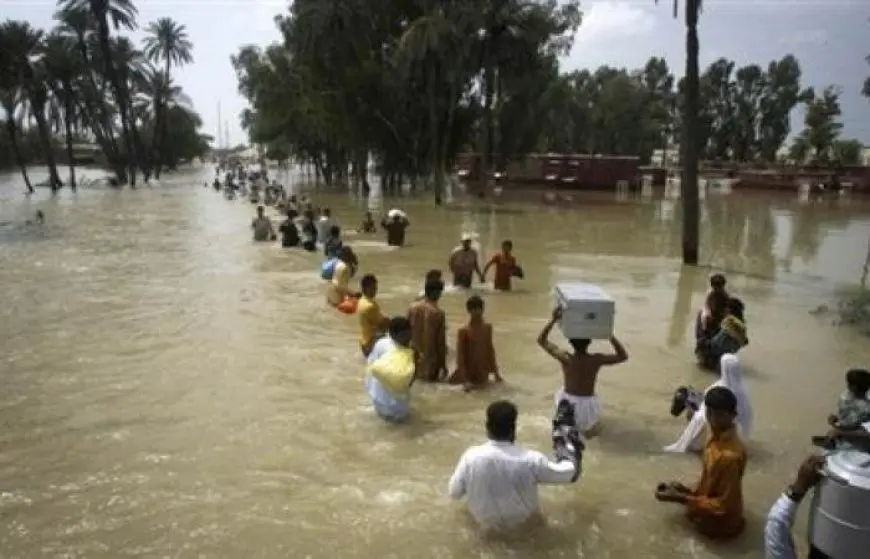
column 854, row 309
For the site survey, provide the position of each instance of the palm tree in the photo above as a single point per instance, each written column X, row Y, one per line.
column 121, row 13
column 63, row 68
column 167, row 42
column 9, row 101
column 79, row 25
column 689, row 139
column 24, row 58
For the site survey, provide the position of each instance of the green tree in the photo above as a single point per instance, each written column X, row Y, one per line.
column 63, row 68
column 166, row 42
column 821, row 123
column 24, row 59
column 121, row 14
column 847, row 152
column 70, row 85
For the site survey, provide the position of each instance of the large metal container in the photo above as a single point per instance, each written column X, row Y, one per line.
column 839, row 522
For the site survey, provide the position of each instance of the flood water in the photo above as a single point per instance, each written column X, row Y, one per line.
column 171, row 389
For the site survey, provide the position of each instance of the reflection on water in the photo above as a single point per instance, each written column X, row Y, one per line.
column 171, row 389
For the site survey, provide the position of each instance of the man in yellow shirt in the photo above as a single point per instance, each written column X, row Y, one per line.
column 372, row 322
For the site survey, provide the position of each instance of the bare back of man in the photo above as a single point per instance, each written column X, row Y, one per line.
column 580, row 374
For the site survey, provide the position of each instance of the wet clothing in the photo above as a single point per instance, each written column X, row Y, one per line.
column 500, row 482
column 715, row 506
column 392, row 407
column 324, row 224
column 372, row 323
column 505, row 265
column 462, row 265
column 395, row 228
column 475, row 355
column 332, row 247
column 587, row 411
column 262, row 229
column 309, row 235
column 289, row 234
column 338, row 285
column 429, row 338
column 852, row 412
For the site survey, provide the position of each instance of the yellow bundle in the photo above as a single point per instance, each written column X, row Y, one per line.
column 394, row 370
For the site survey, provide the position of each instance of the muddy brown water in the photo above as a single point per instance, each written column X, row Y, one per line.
column 171, row 389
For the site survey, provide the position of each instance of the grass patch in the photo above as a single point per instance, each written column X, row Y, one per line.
column 854, row 309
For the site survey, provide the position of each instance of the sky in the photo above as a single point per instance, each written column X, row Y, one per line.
column 830, row 38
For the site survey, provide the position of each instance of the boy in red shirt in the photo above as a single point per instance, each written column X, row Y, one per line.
column 505, row 267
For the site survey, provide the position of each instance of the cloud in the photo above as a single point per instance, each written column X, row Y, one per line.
column 614, row 21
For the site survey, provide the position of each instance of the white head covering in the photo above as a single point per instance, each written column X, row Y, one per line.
column 692, row 438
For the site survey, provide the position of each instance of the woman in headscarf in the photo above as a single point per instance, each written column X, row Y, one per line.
column 694, row 435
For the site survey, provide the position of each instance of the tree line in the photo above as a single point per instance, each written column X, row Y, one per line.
column 85, row 81
column 418, row 82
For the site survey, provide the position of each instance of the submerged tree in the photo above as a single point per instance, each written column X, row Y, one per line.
column 90, row 84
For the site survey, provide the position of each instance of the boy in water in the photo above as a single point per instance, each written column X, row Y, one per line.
column 368, row 224
column 580, row 373
column 505, row 266
column 395, row 227
column 730, row 337
column 372, row 322
column 714, row 307
column 431, row 275
column 429, row 333
column 475, row 351
column 853, row 408
column 333, row 242
column 715, row 505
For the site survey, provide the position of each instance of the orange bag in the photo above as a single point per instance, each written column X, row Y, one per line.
column 348, row 306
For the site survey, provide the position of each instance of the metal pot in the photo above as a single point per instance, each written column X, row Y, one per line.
column 839, row 521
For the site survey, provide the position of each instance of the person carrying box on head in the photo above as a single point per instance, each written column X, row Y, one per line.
column 580, row 372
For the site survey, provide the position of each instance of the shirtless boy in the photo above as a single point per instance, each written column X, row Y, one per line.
column 580, row 371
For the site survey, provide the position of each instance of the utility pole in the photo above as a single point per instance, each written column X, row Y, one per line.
column 219, row 138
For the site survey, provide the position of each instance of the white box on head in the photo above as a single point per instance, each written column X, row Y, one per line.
column 587, row 311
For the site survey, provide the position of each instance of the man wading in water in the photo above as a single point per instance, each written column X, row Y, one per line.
column 580, row 371
column 464, row 264
column 262, row 226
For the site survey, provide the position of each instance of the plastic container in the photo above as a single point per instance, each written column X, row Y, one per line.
column 327, row 269
column 588, row 312
column 839, row 520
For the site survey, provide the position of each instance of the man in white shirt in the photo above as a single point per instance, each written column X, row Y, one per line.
column 778, row 543
column 324, row 224
column 500, row 480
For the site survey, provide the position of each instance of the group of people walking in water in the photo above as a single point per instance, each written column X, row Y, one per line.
column 499, row 479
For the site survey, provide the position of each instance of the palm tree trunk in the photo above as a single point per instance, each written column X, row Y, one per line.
column 69, row 111
column 435, row 165
column 38, row 109
column 690, row 147
column 16, row 149
column 486, row 136
column 118, row 90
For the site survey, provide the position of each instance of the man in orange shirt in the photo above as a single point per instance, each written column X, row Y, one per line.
column 715, row 505
column 505, row 266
